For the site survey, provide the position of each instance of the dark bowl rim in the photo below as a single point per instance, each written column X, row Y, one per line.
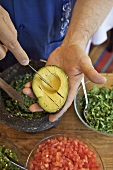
column 20, row 123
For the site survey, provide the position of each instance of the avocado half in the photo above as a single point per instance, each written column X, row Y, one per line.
column 51, row 99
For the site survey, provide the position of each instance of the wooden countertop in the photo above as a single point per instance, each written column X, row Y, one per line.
column 69, row 124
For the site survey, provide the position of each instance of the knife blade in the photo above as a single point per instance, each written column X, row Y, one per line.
column 11, row 91
column 45, row 81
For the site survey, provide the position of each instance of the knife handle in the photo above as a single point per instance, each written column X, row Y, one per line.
column 11, row 91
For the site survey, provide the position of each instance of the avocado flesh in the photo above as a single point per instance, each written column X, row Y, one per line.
column 47, row 97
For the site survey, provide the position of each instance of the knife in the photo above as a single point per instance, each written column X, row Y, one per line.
column 11, row 91
column 45, row 81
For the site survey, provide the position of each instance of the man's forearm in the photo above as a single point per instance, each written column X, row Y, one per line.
column 87, row 17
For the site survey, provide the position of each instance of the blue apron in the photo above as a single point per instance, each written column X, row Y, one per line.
column 41, row 26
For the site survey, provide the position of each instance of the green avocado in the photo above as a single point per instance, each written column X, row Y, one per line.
column 51, row 99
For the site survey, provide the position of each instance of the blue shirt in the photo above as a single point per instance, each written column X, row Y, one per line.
column 41, row 26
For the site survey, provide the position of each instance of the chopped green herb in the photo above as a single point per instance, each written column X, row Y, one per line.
column 99, row 111
column 4, row 163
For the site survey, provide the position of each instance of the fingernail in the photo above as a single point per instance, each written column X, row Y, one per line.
column 52, row 119
column 25, row 62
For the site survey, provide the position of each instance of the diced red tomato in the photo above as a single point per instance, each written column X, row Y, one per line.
column 61, row 153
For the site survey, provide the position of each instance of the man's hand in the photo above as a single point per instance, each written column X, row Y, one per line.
column 8, row 39
column 74, row 61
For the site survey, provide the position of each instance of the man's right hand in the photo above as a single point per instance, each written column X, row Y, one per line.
column 8, row 39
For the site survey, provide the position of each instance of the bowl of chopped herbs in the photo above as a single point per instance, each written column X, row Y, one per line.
column 98, row 113
column 9, row 149
column 16, row 114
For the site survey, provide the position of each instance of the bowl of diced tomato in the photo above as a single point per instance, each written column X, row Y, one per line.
column 63, row 152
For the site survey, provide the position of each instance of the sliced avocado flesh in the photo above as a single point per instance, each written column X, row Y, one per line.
column 51, row 100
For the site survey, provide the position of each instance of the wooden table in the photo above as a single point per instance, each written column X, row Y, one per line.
column 69, row 124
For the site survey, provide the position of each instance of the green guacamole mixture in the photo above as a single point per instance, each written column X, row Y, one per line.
column 18, row 109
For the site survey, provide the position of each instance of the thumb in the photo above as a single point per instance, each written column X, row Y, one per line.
column 90, row 72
